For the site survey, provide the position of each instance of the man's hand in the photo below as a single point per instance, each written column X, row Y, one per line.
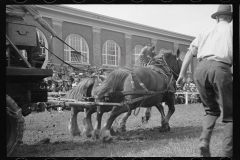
column 181, row 80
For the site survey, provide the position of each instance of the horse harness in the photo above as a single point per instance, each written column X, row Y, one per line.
column 160, row 66
column 167, row 71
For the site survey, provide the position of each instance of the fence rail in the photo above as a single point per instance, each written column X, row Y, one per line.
column 186, row 95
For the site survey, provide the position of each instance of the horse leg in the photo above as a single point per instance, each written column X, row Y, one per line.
column 147, row 115
column 96, row 131
column 123, row 121
column 165, row 122
column 87, row 122
column 165, row 125
column 105, row 131
column 73, row 125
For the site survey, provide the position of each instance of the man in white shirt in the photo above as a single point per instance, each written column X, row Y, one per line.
column 213, row 78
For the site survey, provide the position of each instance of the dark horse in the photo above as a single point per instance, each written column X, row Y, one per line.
column 157, row 78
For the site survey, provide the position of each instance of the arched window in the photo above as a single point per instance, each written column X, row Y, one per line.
column 182, row 56
column 136, row 52
column 42, row 39
column 80, row 45
column 111, row 53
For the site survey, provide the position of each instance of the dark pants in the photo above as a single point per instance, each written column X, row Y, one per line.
column 214, row 83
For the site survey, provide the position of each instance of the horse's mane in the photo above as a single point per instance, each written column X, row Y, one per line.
column 81, row 89
column 115, row 79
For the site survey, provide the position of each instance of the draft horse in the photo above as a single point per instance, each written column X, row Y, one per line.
column 143, row 86
column 83, row 92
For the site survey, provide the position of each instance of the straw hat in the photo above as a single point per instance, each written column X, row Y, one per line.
column 223, row 9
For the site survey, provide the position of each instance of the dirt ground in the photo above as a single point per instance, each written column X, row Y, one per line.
column 46, row 135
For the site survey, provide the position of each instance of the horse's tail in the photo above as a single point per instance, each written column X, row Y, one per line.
column 81, row 89
column 114, row 82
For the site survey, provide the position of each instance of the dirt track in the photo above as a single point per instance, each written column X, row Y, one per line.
column 46, row 135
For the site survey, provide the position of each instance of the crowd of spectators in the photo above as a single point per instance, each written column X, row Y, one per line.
column 67, row 78
column 189, row 87
column 63, row 79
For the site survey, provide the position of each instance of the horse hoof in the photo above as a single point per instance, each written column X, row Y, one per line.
column 164, row 129
column 161, row 130
column 95, row 135
column 88, row 135
column 74, row 134
column 112, row 132
column 122, row 129
column 107, row 139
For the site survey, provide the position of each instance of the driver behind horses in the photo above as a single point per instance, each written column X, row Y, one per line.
column 212, row 76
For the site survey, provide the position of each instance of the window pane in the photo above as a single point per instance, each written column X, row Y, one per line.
column 136, row 52
column 78, row 44
column 110, row 53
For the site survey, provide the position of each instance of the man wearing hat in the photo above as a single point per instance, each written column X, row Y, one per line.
column 60, row 86
column 72, row 75
column 213, row 79
column 67, row 84
column 55, row 77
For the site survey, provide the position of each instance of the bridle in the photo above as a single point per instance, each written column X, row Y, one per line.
column 143, row 61
column 169, row 67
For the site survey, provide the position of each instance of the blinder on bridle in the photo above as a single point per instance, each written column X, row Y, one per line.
column 172, row 71
column 165, row 63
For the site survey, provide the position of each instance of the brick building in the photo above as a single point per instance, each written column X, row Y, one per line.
column 104, row 41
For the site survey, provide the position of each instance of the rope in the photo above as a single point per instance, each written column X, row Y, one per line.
column 61, row 59
column 76, row 51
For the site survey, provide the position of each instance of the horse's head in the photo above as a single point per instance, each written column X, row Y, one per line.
column 146, row 54
column 173, row 61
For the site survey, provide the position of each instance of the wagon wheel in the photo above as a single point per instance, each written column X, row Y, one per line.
column 15, row 124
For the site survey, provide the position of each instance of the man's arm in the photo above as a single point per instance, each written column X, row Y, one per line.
column 187, row 60
column 37, row 17
column 192, row 51
column 46, row 26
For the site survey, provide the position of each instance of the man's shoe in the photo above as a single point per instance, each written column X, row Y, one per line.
column 204, row 148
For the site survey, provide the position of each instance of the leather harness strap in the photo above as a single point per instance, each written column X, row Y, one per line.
column 139, row 81
column 145, row 92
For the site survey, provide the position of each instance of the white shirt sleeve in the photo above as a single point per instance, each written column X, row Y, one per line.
column 193, row 48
